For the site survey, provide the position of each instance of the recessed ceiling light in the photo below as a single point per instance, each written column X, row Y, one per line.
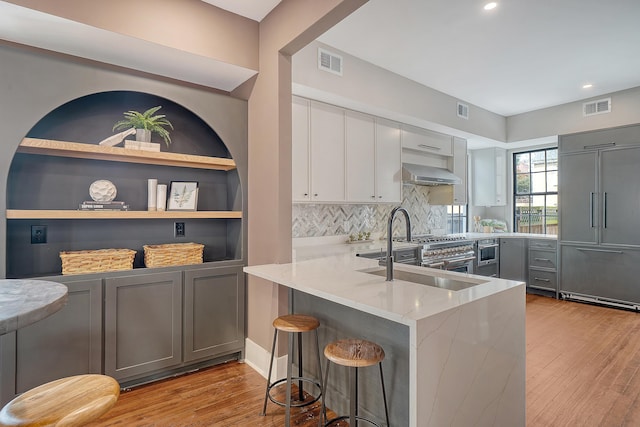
column 490, row 6
column 587, row 86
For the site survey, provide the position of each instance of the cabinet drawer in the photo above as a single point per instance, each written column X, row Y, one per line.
column 426, row 141
column 542, row 279
column 545, row 244
column 543, row 259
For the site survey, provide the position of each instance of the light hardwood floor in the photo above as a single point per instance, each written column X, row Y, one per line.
column 583, row 369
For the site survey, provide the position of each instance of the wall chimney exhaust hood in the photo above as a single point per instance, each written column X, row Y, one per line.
column 427, row 175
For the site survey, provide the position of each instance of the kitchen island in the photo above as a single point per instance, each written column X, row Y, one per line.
column 454, row 357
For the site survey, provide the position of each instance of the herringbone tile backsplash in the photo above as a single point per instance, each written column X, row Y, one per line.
column 316, row 220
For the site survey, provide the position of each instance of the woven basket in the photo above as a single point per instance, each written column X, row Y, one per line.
column 96, row 261
column 172, row 254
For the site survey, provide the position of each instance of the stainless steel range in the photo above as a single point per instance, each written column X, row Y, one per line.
column 450, row 252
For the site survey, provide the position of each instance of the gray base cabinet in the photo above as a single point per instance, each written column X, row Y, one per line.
column 142, row 324
column 543, row 260
column 134, row 326
column 69, row 342
column 513, row 256
column 213, row 312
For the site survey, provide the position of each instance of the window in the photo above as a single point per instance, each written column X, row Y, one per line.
column 457, row 219
column 536, row 191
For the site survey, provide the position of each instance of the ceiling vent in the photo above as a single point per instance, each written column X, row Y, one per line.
column 463, row 110
column 600, row 106
column 330, row 62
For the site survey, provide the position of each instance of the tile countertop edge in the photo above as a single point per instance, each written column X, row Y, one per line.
column 339, row 279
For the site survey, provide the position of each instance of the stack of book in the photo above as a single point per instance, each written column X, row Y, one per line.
column 90, row 205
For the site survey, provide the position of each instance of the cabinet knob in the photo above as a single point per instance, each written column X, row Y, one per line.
column 306, row 194
column 315, row 195
column 373, row 197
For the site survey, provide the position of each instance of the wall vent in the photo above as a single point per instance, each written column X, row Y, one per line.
column 600, row 106
column 330, row 62
column 463, row 110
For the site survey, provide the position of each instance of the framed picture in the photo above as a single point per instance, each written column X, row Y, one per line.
column 183, row 196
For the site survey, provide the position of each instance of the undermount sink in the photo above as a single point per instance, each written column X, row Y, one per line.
column 428, row 280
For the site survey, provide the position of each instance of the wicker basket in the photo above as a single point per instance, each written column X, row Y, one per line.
column 172, row 254
column 96, row 261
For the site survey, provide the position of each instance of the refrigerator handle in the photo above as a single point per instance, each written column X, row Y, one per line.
column 591, row 209
column 604, row 209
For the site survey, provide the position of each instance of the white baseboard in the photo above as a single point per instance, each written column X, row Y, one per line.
column 258, row 358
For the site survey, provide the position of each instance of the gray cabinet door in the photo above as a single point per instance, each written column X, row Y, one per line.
column 620, row 193
column 69, row 342
column 513, row 256
column 213, row 312
column 143, row 324
column 578, row 197
column 610, row 273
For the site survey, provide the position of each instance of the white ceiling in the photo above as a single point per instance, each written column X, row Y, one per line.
column 522, row 56
column 253, row 9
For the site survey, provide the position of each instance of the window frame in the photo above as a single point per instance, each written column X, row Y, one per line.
column 531, row 194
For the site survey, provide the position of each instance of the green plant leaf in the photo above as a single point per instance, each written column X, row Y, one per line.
column 146, row 120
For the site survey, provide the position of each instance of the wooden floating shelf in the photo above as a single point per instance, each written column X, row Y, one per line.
column 77, row 150
column 77, row 214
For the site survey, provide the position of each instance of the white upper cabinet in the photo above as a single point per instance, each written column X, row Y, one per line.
column 489, row 177
column 373, row 159
column 426, row 141
column 327, row 153
column 341, row 155
column 301, row 191
column 459, row 169
column 388, row 162
column 361, row 157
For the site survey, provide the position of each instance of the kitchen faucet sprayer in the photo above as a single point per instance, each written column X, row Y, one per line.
column 390, row 238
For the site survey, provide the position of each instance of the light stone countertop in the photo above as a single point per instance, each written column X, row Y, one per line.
column 24, row 301
column 334, row 273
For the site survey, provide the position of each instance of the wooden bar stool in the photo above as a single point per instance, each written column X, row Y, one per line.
column 68, row 402
column 353, row 353
column 294, row 325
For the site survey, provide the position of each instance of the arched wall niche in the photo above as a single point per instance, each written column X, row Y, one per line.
column 36, row 182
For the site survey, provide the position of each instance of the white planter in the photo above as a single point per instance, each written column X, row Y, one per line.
column 143, row 135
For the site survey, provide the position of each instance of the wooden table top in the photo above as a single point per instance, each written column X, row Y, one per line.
column 25, row 301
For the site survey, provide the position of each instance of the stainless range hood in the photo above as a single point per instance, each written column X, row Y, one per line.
column 427, row 175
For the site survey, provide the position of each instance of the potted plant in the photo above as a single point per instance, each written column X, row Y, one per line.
column 146, row 123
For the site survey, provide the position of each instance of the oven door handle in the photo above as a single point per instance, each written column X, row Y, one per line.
column 459, row 260
column 436, row 265
column 481, row 247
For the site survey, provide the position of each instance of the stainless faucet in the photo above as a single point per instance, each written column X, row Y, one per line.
column 390, row 238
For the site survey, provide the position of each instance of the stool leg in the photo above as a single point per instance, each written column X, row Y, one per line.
column 384, row 395
column 323, row 410
column 266, row 394
column 287, row 415
column 319, row 363
column 300, row 388
column 353, row 396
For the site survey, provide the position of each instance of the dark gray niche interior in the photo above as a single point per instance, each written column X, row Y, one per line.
column 48, row 182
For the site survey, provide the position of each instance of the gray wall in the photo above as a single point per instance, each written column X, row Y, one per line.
column 33, row 83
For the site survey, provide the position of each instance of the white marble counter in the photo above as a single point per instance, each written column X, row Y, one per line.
column 24, row 301
column 466, row 348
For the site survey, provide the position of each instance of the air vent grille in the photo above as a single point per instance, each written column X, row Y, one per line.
column 463, row 110
column 330, row 62
column 600, row 106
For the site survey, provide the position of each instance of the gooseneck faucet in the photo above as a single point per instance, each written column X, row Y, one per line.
column 390, row 238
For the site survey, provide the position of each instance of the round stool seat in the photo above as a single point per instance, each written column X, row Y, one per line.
column 69, row 402
column 296, row 323
column 354, row 352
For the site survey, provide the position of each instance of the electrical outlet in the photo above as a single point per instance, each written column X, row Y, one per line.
column 178, row 229
column 38, row 234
